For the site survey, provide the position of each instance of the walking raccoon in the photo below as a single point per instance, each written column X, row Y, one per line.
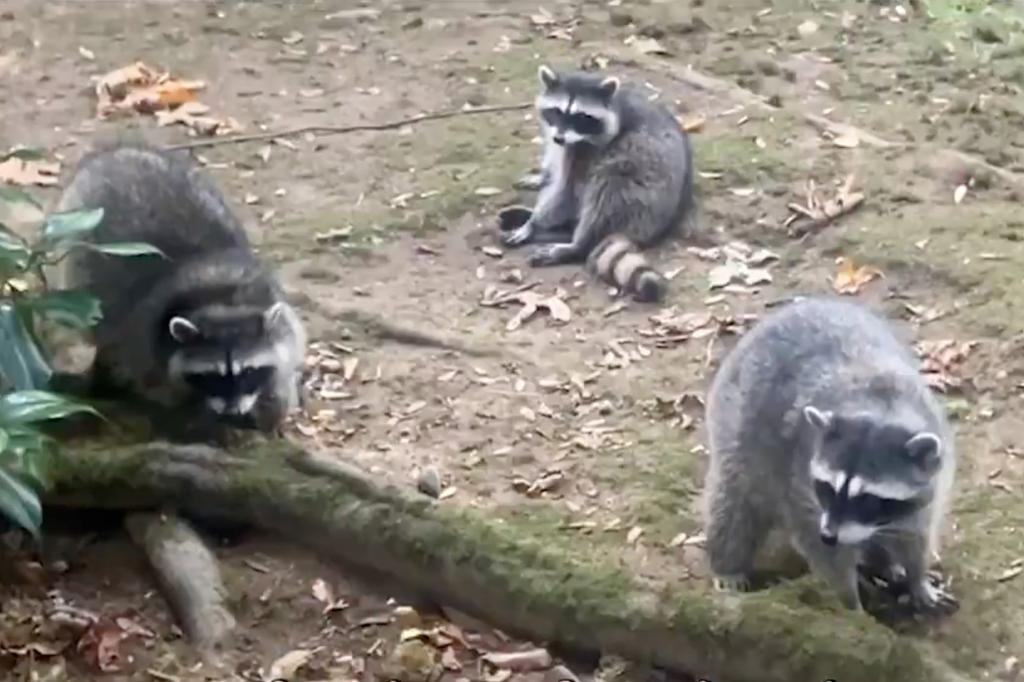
column 820, row 424
column 206, row 323
column 616, row 177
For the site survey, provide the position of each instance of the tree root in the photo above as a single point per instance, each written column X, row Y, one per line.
column 523, row 585
column 188, row 576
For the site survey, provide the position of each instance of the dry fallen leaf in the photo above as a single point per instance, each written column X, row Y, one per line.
column 285, row 667
column 850, row 278
column 693, row 123
column 846, row 140
column 818, row 212
column 634, row 535
column 807, row 28
column 193, row 115
column 647, row 46
column 941, row 360
column 16, row 171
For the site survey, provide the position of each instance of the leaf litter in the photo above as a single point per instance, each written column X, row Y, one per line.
column 531, row 303
column 138, row 88
column 942, row 360
column 24, row 172
column 851, row 278
column 817, row 212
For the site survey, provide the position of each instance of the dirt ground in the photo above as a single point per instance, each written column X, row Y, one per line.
column 586, row 432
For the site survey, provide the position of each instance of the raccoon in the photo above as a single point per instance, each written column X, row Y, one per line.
column 206, row 323
column 616, row 177
column 820, row 425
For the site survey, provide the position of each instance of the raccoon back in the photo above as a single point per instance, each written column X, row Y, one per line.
column 823, row 351
column 162, row 199
column 649, row 166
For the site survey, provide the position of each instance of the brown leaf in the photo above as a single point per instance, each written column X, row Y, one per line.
column 693, row 123
column 15, row 171
column 850, row 278
column 286, row 667
column 100, row 645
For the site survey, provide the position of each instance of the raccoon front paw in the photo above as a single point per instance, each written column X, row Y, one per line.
column 731, row 583
column 929, row 596
column 518, row 236
column 551, row 254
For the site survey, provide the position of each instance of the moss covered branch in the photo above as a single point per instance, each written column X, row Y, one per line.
column 457, row 559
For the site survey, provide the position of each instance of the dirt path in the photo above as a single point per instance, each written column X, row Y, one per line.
column 602, row 414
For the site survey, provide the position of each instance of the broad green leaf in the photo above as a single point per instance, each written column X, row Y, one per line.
column 76, row 309
column 14, row 195
column 124, row 248
column 62, row 226
column 19, row 503
column 28, row 453
column 4, row 439
column 26, row 407
column 21, row 362
column 25, row 154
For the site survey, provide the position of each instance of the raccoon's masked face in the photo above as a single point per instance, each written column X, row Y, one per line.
column 867, row 474
column 577, row 108
column 226, row 358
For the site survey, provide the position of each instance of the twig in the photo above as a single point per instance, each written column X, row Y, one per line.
column 337, row 130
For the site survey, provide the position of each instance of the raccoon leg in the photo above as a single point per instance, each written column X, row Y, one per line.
column 911, row 552
column 553, row 214
column 734, row 529
column 836, row 564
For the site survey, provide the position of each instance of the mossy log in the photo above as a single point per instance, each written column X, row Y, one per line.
column 457, row 559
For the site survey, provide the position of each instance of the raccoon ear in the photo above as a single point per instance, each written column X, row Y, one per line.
column 182, row 330
column 609, row 86
column 548, row 78
column 821, row 420
column 924, row 447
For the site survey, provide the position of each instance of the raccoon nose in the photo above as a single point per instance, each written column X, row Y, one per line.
column 558, row 138
column 829, row 537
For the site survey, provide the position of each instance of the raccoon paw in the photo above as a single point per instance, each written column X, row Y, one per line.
column 931, row 596
column 552, row 254
column 731, row 583
column 518, row 236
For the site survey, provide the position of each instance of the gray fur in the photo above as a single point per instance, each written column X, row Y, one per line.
column 823, row 357
column 210, row 277
column 633, row 177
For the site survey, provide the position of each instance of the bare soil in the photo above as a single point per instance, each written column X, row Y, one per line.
column 603, row 412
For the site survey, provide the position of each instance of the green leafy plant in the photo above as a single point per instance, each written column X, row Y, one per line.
column 26, row 303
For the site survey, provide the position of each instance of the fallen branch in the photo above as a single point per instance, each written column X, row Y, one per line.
column 718, row 86
column 523, row 585
column 338, row 130
column 377, row 327
column 188, row 576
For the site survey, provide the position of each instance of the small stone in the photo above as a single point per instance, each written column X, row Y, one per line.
column 429, row 482
column 415, row 22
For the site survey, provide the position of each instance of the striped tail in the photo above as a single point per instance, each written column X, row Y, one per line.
column 617, row 261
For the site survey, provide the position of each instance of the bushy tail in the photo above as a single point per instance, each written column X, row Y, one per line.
column 617, row 261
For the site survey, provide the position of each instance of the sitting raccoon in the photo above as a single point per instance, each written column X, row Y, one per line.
column 207, row 323
column 821, row 425
column 616, row 177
